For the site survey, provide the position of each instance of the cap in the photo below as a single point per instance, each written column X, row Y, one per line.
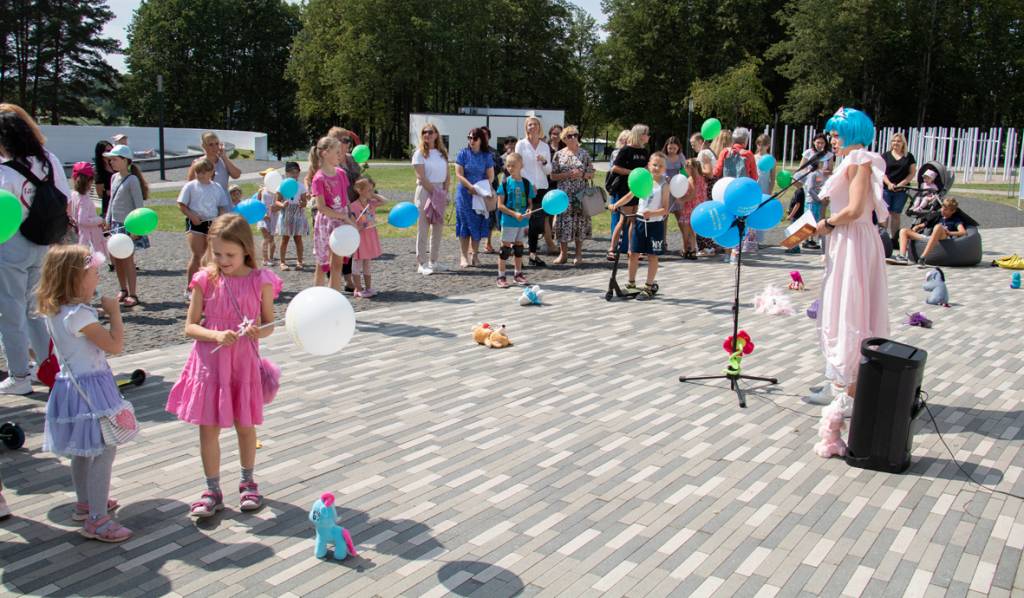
column 291, row 167
column 119, row 151
column 119, row 138
column 83, row 169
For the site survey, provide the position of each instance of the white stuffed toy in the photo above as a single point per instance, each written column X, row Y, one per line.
column 532, row 296
column 773, row 301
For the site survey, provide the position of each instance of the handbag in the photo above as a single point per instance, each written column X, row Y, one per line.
column 594, row 200
column 116, row 429
column 270, row 374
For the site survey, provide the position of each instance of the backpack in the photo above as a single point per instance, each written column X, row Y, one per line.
column 735, row 165
column 47, row 221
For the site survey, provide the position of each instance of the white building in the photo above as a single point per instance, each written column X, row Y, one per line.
column 76, row 143
column 503, row 122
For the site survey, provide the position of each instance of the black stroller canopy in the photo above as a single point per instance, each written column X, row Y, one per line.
column 943, row 178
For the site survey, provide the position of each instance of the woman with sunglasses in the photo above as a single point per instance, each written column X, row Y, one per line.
column 430, row 161
column 572, row 171
column 472, row 165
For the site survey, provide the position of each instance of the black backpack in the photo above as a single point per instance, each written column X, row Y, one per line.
column 47, row 221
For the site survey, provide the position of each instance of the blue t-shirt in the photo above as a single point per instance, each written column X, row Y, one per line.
column 952, row 223
column 517, row 200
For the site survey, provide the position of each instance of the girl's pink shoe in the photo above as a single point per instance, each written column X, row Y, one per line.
column 81, row 512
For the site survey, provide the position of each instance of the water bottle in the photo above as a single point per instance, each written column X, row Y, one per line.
column 1015, row 280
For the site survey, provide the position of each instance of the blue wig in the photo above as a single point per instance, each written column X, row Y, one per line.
column 853, row 126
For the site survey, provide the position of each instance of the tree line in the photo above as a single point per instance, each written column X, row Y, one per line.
column 293, row 70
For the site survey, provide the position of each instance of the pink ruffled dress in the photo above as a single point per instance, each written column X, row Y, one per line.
column 224, row 388
column 366, row 220
column 854, row 293
column 82, row 210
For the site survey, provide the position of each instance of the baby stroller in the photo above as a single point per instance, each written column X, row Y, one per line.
column 925, row 201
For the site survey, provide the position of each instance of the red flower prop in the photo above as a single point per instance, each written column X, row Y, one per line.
column 743, row 343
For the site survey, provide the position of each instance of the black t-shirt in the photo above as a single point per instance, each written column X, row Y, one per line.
column 897, row 170
column 629, row 158
column 102, row 177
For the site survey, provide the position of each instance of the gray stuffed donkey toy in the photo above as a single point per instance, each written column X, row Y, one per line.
column 935, row 282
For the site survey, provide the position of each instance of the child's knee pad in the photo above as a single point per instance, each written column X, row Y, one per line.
column 505, row 252
column 517, row 251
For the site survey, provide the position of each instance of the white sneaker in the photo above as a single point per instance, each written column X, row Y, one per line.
column 16, row 386
column 436, row 267
column 421, row 269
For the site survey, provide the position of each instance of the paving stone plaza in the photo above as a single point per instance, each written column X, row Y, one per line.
column 573, row 463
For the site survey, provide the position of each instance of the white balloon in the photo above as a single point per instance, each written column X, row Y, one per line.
column 120, row 246
column 272, row 181
column 344, row 240
column 679, row 185
column 320, row 321
column 718, row 191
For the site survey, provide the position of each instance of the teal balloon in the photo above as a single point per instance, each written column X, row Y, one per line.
column 403, row 215
column 10, row 215
column 252, row 210
column 289, row 188
column 730, row 238
column 555, row 202
column 710, row 219
column 641, row 182
column 742, row 196
column 767, row 216
column 766, row 163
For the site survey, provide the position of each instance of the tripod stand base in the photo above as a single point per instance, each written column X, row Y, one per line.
column 732, row 378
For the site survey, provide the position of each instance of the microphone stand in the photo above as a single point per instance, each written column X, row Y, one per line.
column 734, row 376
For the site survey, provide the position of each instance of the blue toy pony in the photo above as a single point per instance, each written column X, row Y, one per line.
column 328, row 531
column 935, row 282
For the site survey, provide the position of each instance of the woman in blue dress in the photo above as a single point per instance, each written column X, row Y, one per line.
column 473, row 164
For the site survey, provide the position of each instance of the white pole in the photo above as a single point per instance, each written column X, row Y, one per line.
column 785, row 137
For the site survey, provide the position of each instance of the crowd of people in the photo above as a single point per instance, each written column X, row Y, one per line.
column 231, row 286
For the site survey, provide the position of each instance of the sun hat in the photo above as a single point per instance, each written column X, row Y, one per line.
column 119, row 151
column 83, row 169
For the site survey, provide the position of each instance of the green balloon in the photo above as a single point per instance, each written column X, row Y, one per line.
column 141, row 221
column 10, row 215
column 784, row 178
column 641, row 183
column 361, row 154
column 711, row 128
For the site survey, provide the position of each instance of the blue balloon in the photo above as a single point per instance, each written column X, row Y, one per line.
column 730, row 238
column 555, row 202
column 252, row 210
column 403, row 215
column 766, row 163
column 767, row 216
column 710, row 219
column 742, row 196
column 288, row 188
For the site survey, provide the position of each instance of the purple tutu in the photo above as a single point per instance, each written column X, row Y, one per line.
column 72, row 428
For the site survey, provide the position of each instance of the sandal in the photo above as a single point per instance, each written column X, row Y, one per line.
column 299, row 266
column 207, row 505
column 122, row 295
column 250, row 499
column 105, row 529
column 81, row 510
column 610, row 256
column 284, row 267
column 131, row 301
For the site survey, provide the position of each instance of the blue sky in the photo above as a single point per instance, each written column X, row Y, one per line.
column 123, row 10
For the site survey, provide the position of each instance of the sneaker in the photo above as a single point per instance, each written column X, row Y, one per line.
column 105, row 529
column 360, row 294
column 794, row 249
column 898, row 260
column 519, row 278
column 503, row 282
column 631, row 288
column 14, row 385
column 536, row 261
column 424, row 270
column 369, row 293
column 435, row 267
column 921, row 265
column 5, row 511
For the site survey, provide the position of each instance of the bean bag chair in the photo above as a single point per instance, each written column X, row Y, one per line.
column 956, row 251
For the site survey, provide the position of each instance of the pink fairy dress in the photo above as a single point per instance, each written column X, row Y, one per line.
column 854, row 293
column 224, row 388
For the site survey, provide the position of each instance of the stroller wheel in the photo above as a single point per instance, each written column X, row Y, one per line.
column 12, row 435
column 138, row 377
column 608, row 296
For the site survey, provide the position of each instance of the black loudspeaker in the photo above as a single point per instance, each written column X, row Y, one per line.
column 886, row 405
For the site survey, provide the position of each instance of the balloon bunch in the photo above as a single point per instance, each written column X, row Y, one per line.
column 735, row 200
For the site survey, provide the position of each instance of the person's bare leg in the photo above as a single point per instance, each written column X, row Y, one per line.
column 938, row 234
column 246, row 445
column 298, row 250
column 652, row 269
column 634, row 265
column 894, row 224
column 197, row 245
column 563, row 253
column 209, row 450
column 284, row 249
column 336, row 277
column 464, row 251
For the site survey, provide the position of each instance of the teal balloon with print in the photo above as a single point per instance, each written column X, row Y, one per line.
column 767, row 216
column 710, row 219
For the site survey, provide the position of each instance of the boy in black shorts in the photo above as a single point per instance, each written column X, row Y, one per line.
column 649, row 232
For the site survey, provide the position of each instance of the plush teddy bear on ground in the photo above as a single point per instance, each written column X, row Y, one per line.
column 498, row 339
column 328, row 531
column 532, row 296
column 481, row 332
column 830, row 430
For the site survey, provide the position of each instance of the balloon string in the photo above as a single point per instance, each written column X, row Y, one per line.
column 241, row 328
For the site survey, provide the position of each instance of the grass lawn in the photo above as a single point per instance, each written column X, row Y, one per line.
column 1007, row 187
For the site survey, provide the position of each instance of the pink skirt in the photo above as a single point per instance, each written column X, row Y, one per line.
column 369, row 245
column 323, row 226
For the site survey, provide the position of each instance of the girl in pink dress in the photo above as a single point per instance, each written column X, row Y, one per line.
column 82, row 210
column 220, row 385
column 854, row 293
column 363, row 213
column 329, row 189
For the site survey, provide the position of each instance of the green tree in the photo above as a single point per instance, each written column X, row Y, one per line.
column 223, row 65
column 738, row 94
column 52, row 57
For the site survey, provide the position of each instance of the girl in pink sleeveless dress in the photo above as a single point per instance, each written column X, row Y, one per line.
column 82, row 210
column 220, row 385
column 363, row 212
column 854, row 295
